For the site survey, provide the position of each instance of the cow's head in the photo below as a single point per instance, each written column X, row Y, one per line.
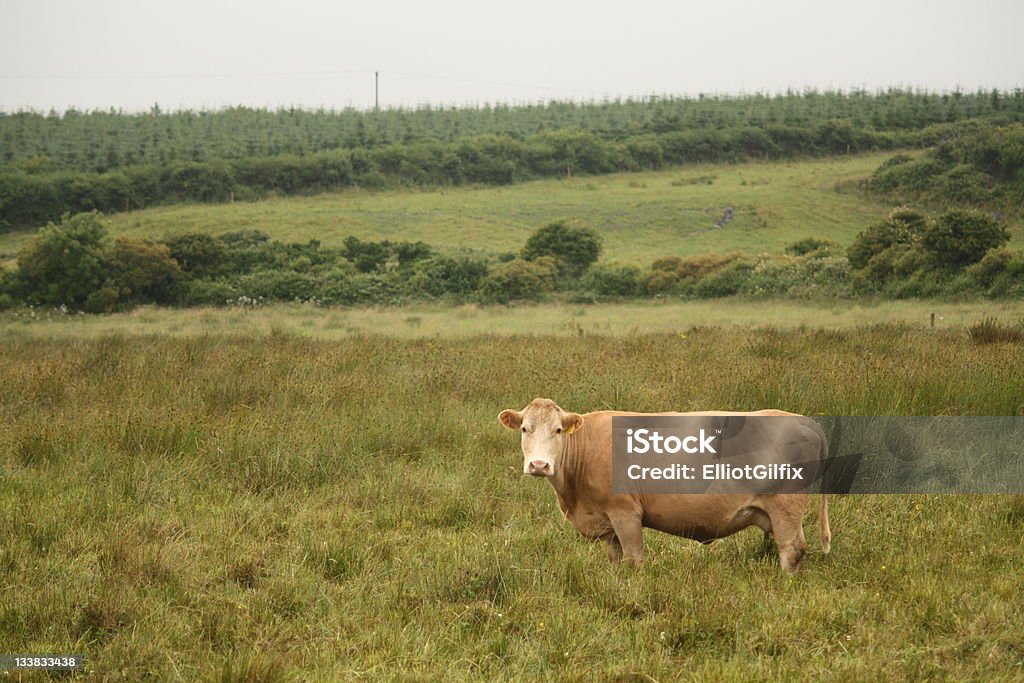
column 544, row 427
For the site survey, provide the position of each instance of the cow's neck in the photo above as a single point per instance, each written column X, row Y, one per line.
column 568, row 474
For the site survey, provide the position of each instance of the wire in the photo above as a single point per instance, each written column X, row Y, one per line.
column 285, row 74
column 255, row 74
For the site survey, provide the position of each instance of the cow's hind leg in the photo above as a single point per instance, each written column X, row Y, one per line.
column 789, row 536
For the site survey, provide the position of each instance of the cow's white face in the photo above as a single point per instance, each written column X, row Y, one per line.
column 544, row 427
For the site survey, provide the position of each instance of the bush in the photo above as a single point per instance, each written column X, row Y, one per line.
column 612, row 280
column 994, row 262
column 207, row 292
column 575, row 249
column 799, row 277
column 725, row 281
column 671, row 273
column 1000, row 272
column 369, row 257
column 903, row 226
column 895, row 262
column 8, row 289
column 278, row 285
column 811, row 246
column 958, row 238
column 106, row 299
column 410, row 252
column 445, row 275
column 143, row 272
column 520, row 279
column 198, row 254
column 64, row 264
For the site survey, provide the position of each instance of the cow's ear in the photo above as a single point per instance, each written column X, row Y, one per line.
column 571, row 422
column 511, row 419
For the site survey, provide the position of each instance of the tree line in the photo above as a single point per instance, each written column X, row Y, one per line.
column 34, row 192
column 100, row 141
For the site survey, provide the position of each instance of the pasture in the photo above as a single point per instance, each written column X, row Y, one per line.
column 642, row 216
column 245, row 506
column 419, row 321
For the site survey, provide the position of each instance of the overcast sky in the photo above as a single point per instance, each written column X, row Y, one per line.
column 130, row 54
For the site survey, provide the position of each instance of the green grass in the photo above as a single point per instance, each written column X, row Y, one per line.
column 246, row 507
column 558, row 319
column 642, row 216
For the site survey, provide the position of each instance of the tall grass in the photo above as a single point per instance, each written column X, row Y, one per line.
column 281, row 508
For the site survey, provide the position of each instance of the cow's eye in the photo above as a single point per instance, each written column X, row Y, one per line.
column 558, row 431
column 524, row 430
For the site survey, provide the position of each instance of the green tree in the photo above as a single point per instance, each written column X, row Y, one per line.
column 575, row 249
column 64, row 264
column 960, row 237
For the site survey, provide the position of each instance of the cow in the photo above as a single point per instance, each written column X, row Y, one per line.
column 574, row 453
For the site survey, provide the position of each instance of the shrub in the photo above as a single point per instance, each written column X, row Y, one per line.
column 8, row 288
column 143, row 272
column 811, row 246
column 959, row 237
column 896, row 261
column 903, row 226
column 64, row 264
column 198, row 254
column 798, row 277
column 992, row 264
column 445, row 275
column 574, row 248
column 724, row 281
column 369, row 257
column 278, row 285
column 207, row 292
column 612, row 280
column 410, row 252
column 670, row 273
column 520, row 279
column 1000, row 272
column 105, row 299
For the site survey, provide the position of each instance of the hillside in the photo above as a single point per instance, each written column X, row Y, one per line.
column 642, row 216
column 109, row 161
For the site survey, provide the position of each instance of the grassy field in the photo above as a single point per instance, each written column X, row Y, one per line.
column 642, row 216
column 557, row 319
column 273, row 507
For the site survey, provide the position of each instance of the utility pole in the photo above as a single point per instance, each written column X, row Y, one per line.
column 376, row 91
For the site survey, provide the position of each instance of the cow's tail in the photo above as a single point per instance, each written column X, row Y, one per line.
column 826, row 531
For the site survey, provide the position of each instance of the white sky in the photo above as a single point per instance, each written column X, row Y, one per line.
column 129, row 54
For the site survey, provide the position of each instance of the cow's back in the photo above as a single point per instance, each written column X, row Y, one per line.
column 703, row 517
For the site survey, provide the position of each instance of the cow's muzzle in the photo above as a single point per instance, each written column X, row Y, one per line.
column 540, row 468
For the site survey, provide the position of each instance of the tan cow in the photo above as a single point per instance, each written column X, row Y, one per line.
column 574, row 453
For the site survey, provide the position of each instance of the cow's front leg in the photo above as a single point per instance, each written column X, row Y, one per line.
column 614, row 548
column 630, row 534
